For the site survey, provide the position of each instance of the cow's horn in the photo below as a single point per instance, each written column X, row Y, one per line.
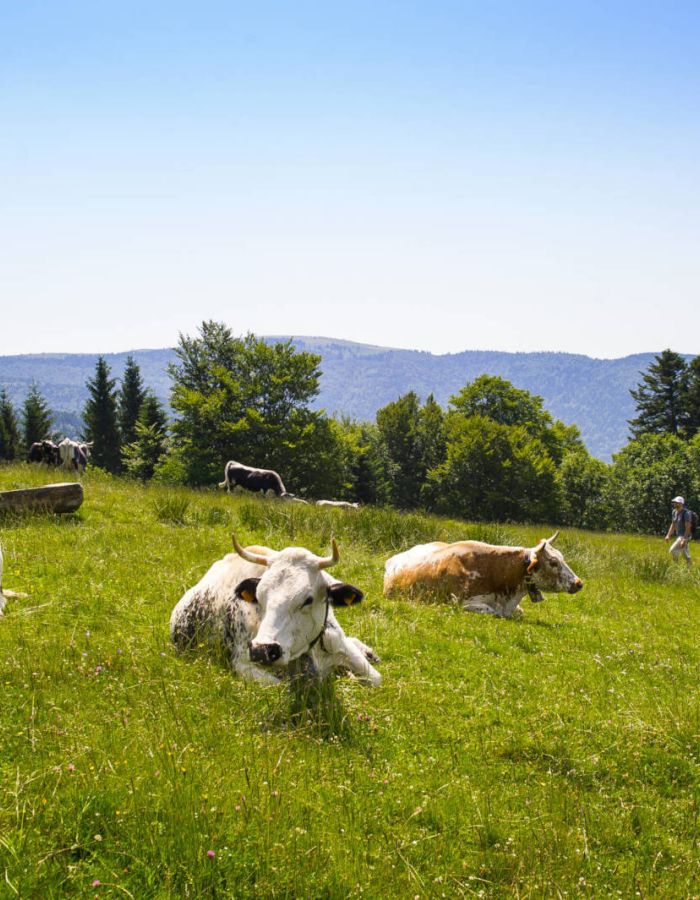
column 246, row 554
column 553, row 538
column 330, row 560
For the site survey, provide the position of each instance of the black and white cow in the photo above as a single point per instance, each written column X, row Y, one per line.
column 266, row 608
column 44, row 452
column 74, row 455
column 251, row 479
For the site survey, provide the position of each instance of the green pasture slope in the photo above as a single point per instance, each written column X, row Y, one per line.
column 548, row 757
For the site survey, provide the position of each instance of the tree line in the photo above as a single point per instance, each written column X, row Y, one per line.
column 128, row 426
column 494, row 453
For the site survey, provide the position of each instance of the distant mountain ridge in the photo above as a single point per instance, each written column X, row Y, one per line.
column 358, row 379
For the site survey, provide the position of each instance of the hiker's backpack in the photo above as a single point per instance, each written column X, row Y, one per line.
column 693, row 523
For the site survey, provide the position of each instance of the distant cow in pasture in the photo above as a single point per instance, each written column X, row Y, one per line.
column 251, row 479
column 74, row 455
column 482, row 577
column 266, row 608
column 338, row 504
column 4, row 594
column 44, row 452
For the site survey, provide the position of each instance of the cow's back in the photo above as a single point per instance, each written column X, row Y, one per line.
column 211, row 610
column 463, row 569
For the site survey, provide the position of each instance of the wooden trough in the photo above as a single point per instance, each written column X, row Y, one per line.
column 59, row 498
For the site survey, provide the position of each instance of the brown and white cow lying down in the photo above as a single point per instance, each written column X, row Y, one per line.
column 267, row 608
column 482, row 577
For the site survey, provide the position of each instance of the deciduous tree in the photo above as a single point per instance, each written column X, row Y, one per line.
column 245, row 399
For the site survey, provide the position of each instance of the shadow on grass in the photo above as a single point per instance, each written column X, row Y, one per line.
column 540, row 623
column 18, row 518
column 310, row 704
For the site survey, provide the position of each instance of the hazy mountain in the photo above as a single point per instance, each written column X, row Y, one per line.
column 359, row 378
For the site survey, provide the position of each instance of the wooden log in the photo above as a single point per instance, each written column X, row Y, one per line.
column 59, row 498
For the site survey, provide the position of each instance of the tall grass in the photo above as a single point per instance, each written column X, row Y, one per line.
column 554, row 756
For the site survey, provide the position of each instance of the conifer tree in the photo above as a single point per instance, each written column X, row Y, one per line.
column 131, row 396
column 660, row 396
column 144, row 453
column 691, row 399
column 100, row 417
column 9, row 429
column 36, row 418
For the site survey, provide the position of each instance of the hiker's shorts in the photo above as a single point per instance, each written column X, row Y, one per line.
column 676, row 549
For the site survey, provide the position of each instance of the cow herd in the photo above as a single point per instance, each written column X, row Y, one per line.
column 68, row 453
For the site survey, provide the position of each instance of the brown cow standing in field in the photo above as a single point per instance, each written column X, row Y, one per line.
column 482, row 577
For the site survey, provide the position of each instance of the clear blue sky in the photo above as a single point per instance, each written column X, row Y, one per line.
column 443, row 175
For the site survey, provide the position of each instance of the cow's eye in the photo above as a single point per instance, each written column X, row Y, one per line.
column 308, row 601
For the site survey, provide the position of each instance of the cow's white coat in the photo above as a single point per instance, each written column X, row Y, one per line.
column 280, row 616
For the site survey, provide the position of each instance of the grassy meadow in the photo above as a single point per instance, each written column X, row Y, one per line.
column 558, row 755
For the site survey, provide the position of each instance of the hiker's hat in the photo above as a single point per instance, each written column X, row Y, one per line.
column 678, row 500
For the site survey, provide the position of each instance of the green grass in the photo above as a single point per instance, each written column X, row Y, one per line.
column 557, row 755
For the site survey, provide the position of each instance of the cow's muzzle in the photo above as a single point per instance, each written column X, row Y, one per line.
column 267, row 654
column 576, row 586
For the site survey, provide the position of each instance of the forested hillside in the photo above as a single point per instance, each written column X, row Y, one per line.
column 358, row 379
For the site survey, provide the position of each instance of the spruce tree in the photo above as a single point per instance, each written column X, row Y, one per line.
column 9, row 429
column 131, row 396
column 100, row 418
column 36, row 418
column 660, row 396
column 144, row 453
column 691, row 399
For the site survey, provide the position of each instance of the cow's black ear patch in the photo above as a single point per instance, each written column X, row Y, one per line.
column 344, row 594
column 246, row 590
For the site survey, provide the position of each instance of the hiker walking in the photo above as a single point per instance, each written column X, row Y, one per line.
column 682, row 527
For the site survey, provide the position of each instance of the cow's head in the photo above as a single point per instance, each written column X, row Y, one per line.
column 293, row 593
column 549, row 570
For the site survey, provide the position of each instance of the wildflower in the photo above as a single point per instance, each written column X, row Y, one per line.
column 211, row 854
column 98, row 837
column 71, row 767
column 98, row 669
column 96, row 882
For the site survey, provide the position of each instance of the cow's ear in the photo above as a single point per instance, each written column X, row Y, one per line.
column 535, row 556
column 344, row 594
column 246, row 590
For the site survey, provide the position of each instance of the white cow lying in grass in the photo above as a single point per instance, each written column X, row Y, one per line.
column 268, row 608
column 5, row 594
